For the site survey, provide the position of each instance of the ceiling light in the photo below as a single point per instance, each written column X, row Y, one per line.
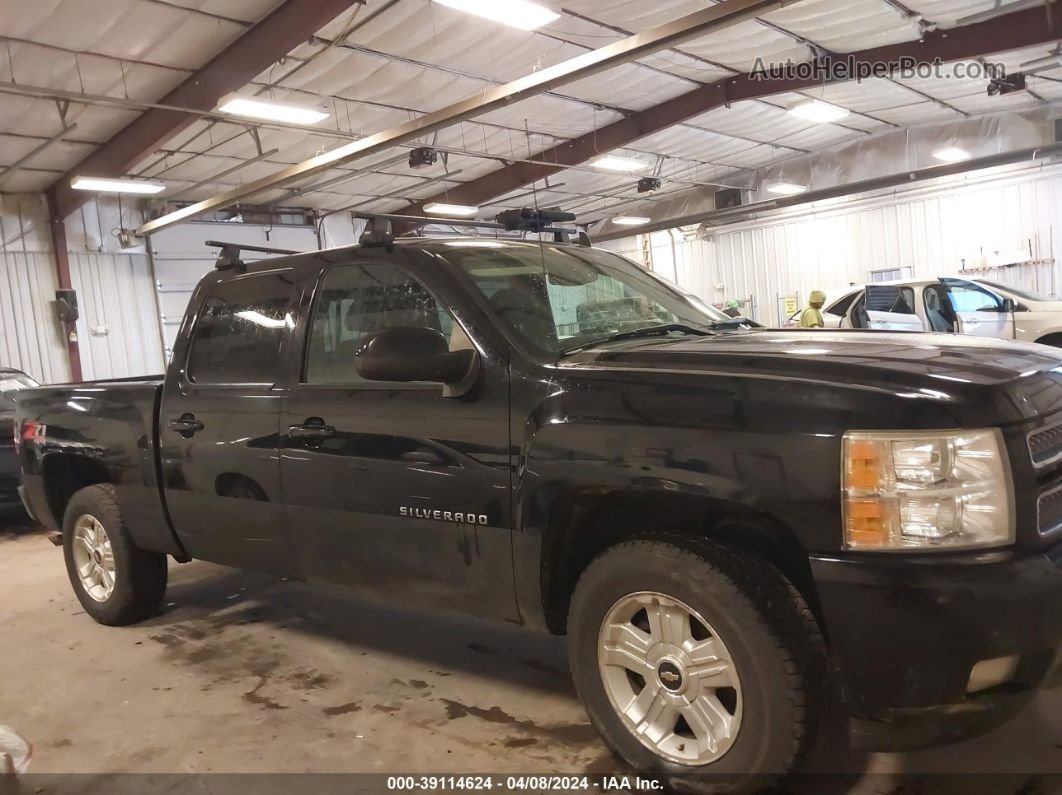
column 786, row 188
column 951, row 154
column 817, row 111
column 630, row 220
column 254, row 108
column 515, row 13
column 437, row 208
column 617, row 163
column 116, row 185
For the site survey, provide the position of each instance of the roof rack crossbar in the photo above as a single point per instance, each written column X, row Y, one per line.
column 229, row 258
column 525, row 220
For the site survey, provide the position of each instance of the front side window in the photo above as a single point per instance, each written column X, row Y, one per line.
column 355, row 302
column 840, row 307
column 241, row 329
column 968, row 297
column 560, row 299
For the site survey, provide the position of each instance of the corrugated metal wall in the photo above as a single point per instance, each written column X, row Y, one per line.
column 934, row 230
column 30, row 336
column 118, row 329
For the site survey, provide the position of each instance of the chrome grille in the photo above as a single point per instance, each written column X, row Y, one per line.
column 1049, row 510
column 1045, row 445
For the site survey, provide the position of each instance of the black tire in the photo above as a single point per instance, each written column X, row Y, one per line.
column 139, row 576
column 773, row 638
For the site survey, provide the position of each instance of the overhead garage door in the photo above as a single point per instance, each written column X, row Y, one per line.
column 182, row 257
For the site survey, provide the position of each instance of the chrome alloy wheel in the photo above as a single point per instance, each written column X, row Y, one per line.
column 93, row 557
column 670, row 678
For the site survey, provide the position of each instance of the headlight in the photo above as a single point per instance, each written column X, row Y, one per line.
column 911, row 490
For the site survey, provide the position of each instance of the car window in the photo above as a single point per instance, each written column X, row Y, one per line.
column 1025, row 295
column 840, row 307
column 560, row 298
column 890, row 298
column 969, row 297
column 241, row 329
column 353, row 303
column 10, row 384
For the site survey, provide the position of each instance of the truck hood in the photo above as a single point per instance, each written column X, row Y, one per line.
column 852, row 357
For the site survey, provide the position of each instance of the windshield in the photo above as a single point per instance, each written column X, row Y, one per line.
column 560, row 299
column 1025, row 295
column 10, row 383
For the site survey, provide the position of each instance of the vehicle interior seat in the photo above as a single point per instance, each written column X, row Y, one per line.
column 935, row 312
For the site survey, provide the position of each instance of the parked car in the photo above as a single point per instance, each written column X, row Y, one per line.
column 733, row 528
column 977, row 307
column 11, row 382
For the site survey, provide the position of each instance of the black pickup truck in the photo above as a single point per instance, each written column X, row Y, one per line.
column 737, row 529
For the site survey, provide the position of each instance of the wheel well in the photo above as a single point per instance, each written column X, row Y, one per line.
column 1054, row 339
column 65, row 475
column 587, row 524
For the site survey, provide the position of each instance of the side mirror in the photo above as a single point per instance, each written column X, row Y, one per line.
column 1009, row 305
column 415, row 353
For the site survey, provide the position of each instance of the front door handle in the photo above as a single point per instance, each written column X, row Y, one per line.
column 186, row 425
column 314, row 430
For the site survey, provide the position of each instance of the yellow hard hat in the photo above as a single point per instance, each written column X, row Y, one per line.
column 817, row 297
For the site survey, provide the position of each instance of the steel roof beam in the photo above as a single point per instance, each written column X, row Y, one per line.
column 659, row 38
column 1007, row 32
column 261, row 45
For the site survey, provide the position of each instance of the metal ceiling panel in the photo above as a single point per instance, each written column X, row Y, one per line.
column 845, row 25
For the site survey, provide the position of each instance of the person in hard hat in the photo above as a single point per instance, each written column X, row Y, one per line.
column 812, row 316
column 732, row 308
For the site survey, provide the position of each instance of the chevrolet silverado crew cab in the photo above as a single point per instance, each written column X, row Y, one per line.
column 734, row 528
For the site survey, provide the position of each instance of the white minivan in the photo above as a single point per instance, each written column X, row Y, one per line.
column 952, row 305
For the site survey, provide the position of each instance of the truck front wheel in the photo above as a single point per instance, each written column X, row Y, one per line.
column 116, row 582
column 697, row 664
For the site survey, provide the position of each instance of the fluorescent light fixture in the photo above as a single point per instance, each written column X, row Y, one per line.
column 438, row 208
column 818, row 111
column 785, row 188
column 630, row 220
column 254, row 108
column 617, row 163
column 515, row 13
column 102, row 185
column 951, row 154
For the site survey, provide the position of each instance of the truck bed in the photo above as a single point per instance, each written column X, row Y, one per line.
column 107, row 428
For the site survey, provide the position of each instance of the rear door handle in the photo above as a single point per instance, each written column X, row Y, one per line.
column 314, row 429
column 186, row 425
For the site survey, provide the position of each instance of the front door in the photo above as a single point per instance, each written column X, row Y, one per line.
column 979, row 312
column 219, row 422
column 394, row 489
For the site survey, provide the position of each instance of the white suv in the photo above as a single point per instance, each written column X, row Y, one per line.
column 951, row 305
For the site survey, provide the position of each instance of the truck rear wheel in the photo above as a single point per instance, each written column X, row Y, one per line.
column 116, row 582
column 698, row 664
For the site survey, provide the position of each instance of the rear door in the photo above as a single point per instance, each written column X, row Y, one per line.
column 219, row 421
column 393, row 489
column 979, row 311
column 891, row 307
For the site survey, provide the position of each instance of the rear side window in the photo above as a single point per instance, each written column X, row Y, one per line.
column 241, row 329
column 841, row 307
column 887, row 298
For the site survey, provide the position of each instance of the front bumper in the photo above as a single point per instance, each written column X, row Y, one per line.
column 905, row 632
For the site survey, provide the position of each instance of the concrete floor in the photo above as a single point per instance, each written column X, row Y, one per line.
column 245, row 673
